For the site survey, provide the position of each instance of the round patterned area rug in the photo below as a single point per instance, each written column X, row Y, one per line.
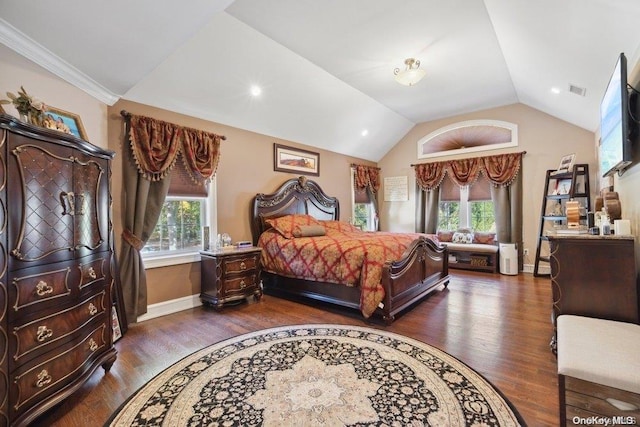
column 318, row 375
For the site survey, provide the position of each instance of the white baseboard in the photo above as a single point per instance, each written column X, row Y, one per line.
column 542, row 269
column 169, row 307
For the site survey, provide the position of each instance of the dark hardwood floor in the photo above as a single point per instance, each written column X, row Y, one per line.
column 498, row 325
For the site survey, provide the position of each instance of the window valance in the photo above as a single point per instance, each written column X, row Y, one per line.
column 500, row 170
column 156, row 144
column 367, row 176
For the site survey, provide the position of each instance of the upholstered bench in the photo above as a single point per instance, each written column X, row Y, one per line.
column 598, row 370
column 473, row 256
column 470, row 250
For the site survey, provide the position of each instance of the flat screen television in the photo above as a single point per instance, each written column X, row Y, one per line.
column 616, row 125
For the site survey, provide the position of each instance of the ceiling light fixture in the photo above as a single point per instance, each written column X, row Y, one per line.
column 411, row 75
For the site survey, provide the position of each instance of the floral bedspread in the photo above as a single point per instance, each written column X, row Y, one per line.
column 350, row 257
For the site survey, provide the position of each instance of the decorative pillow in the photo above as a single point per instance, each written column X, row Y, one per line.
column 460, row 237
column 339, row 226
column 486, row 238
column 445, row 235
column 287, row 224
column 309, row 231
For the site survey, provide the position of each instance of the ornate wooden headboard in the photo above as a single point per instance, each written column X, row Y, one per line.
column 295, row 196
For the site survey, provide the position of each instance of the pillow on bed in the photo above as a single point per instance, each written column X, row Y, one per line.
column 287, row 224
column 339, row 226
column 460, row 237
column 309, row 231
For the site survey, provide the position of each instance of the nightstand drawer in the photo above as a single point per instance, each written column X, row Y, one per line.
column 241, row 284
column 240, row 264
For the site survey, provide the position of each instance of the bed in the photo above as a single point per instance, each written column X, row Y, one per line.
column 418, row 266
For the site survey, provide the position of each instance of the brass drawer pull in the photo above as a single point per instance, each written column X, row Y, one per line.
column 242, row 284
column 43, row 379
column 92, row 309
column 44, row 333
column 92, row 273
column 93, row 346
column 243, row 266
column 42, row 288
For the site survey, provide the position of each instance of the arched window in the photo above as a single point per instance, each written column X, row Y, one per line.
column 468, row 137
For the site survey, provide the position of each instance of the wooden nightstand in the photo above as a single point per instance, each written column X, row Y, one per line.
column 230, row 275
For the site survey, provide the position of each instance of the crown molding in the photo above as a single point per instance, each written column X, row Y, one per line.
column 34, row 51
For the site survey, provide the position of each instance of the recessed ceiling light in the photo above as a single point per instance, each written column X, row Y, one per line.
column 256, row 90
column 364, row 132
column 555, row 90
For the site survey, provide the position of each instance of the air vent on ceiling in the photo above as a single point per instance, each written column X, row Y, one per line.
column 577, row 90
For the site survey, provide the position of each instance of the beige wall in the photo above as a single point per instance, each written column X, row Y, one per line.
column 544, row 138
column 245, row 169
column 16, row 71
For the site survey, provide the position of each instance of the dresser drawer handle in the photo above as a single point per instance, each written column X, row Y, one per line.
column 43, row 379
column 44, row 333
column 93, row 346
column 242, row 284
column 92, row 273
column 92, row 309
column 243, row 266
column 42, row 288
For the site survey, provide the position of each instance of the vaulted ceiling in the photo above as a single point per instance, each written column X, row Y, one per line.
column 325, row 68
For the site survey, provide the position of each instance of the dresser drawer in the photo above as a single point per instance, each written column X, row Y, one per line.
column 584, row 399
column 44, row 379
column 54, row 328
column 38, row 288
column 240, row 264
column 92, row 272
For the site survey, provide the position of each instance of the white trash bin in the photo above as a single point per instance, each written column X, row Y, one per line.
column 508, row 259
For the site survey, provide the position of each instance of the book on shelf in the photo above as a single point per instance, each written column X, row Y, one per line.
column 576, row 230
column 559, row 172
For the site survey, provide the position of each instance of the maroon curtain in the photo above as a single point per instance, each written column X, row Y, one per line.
column 429, row 175
column 155, row 146
column 500, row 169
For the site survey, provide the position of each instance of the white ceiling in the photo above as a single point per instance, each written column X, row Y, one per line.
column 326, row 67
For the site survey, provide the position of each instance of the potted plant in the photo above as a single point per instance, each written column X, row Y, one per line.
column 31, row 109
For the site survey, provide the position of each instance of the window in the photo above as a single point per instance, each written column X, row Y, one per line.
column 179, row 227
column 466, row 207
column 188, row 208
column 482, row 216
column 449, row 216
column 363, row 213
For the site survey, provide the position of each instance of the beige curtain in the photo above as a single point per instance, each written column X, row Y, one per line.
column 428, row 179
column 155, row 146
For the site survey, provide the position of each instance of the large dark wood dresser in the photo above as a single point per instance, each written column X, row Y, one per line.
column 56, row 273
column 594, row 276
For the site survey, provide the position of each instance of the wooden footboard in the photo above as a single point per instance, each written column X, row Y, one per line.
column 423, row 267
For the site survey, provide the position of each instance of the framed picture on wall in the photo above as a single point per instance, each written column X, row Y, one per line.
column 295, row 160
